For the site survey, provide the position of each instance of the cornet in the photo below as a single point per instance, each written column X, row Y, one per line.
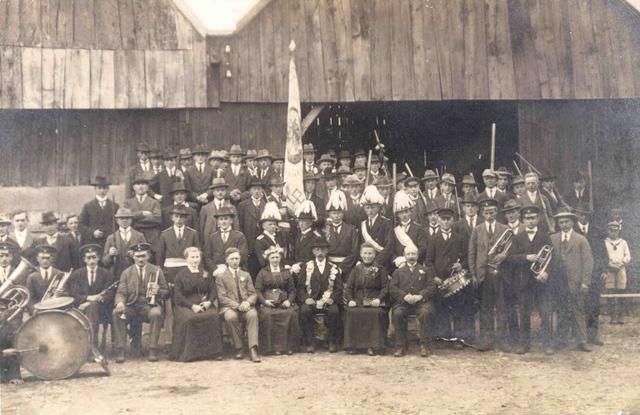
column 543, row 258
column 501, row 247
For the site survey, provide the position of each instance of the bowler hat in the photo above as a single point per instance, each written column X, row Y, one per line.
column 217, row 183
column 48, row 218
column 200, row 149
column 178, row 187
column 123, row 213
column 235, row 150
column 101, row 181
column 430, row 175
column 225, row 210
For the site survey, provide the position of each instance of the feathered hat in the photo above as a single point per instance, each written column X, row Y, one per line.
column 371, row 196
column 337, row 201
column 271, row 212
column 402, row 201
column 307, row 210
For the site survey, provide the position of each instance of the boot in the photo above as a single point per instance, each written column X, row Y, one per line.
column 153, row 355
column 253, row 355
column 425, row 350
column 120, row 356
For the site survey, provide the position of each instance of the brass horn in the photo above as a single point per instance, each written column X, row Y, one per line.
column 499, row 250
column 16, row 298
column 543, row 258
column 23, row 268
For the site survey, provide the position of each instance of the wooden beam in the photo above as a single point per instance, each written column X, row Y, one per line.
column 310, row 118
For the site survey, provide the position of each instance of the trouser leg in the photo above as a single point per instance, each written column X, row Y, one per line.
column 91, row 310
column 425, row 313
column 333, row 320
column 487, row 310
column 306, row 323
column 120, row 330
column 252, row 322
column 154, row 316
column 234, row 325
column 399, row 316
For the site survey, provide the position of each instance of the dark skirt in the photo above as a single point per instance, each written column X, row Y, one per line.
column 195, row 336
column 365, row 327
column 279, row 329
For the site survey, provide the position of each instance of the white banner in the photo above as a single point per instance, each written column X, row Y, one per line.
column 293, row 161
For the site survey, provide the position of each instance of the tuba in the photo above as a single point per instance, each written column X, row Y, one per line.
column 543, row 258
column 14, row 298
column 23, row 268
column 498, row 251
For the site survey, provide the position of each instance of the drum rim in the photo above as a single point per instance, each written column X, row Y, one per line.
column 75, row 314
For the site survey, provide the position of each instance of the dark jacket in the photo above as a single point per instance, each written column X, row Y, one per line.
column 382, row 234
column 362, row 284
column 441, row 254
column 344, row 244
column 214, row 249
column 169, row 246
column 93, row 217
column 319, row 282
column 249, row 220
column 78, row 285
column 418, row 282
column 66, row 256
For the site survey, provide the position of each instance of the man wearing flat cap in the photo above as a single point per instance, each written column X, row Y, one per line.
column 139, row 297
column 91, row 288
column 96, row 217
column 116, row 249
column 489, row 284
column 147, row 214
column 491, row 191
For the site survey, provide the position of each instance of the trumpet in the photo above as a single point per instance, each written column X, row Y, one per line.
column 151, row 298
column 543, row 258
column 499, row 250
column 56, row 286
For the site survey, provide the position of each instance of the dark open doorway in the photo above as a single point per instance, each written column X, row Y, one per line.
column 455, row 135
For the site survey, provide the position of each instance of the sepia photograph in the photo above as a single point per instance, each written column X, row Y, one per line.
column 320, row 207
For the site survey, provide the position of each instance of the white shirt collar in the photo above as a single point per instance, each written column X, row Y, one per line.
column 305, row 232
column 101, row 199
column 177, row 229
column 567, row 235
column 514, row 224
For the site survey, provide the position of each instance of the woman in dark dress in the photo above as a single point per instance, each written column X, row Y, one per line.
column 196, row 328
column 367, row 313
column 279, row 329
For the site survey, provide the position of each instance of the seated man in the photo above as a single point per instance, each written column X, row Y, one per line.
column 39, row 280
column 412, row 290
column 320, row 291
column 9, row 365
column 91, row 288
column 237, row 299
column 141, row 289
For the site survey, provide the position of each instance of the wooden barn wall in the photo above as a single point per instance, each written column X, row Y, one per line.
column 61, row 148
column 560, row 137
column 374, row 50
column 100, row 54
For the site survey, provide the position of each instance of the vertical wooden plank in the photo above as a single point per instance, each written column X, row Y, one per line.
column 77, row 91
column 475, row 51
column 562, row 46
column 173, row 79
column 30, row 25
column 281, row 39
column 102, row 79
column 127, row 24
column 298, row 33
column 107, row 25
column 230, row 63
column 11, row 77
column 621, row 47
column 57, row 23
column 200, row 64
column 242, row 71
column 342, row 22
column 436, row 17
column 135, row 78
column 184, row 32
column 402, row 76
column 154, row 77
column 121, row 79
column 421, row 69
column 608, row 69
column 53, row 72
column 584, row 50
column 456, row 12
column 267, row 54
column 83, row 23
column 523, row 49
column 499, row 60
column 32, row 77
column 361, row 20
column 165, row 25
column 142, row 16
column 548, row 69
column 189, row 81
column 317, row 81
column 329, row 51
column 255, row 67
column 11, row 15
column 381, row 50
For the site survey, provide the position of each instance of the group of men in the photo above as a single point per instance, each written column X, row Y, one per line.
column 419, row 226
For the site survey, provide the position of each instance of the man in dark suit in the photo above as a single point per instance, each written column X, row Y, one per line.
column 208, row 212
column 579, row 196
column 264, row 170
column 147, row 214
column 342, row 237
column 178, row 197
column 376, row 229
column 412, row 290
column 142, row 168
column 216, row 244
column 96, row 217
column 310, row 182
column 320, row 291
column 21, row 233
column 531, row 289
column 132, row 302
column 236, row 176
column 407, row 232
column 302, row 242
column 167, row 177
column 385, row 185
column 88, row 287
column 249, row 214
column 66, row 257
column 447, row 197
column 117, row 247
column 491, row 191
column 431, row 180
column 511, row 212
column 533, row 196
column 489, row 282
column 39, row 280
column 470, row 218
column 270, row 236
column 172, row 243
column 5, row 236
column 446, row 252
column 197, row 179
column 548, row 190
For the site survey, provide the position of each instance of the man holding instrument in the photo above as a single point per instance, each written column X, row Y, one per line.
column 138, row 299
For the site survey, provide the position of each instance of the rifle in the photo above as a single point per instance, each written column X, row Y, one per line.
column 424, row 199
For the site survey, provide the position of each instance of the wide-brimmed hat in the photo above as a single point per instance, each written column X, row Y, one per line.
column 140, row 179
column 502, row 171
column 4, row 220
column 200, row 149
column 123, row 213
column 468, row 179
column 143, row 147
column 326, row 157
column 469, row 199
column 168, row 154
column 155, row 154
column 517, row 180
column 225, row 210
column 510, row 205
column 185, row 154
column 411, row 179
column 343, row 171
column 251, row 154
column 344, row 154
column 217, row 183
column 277, row 157
column 215, row 154
column 255, row 182
column 449, row 178
column 276, row 181
column 564, row 212
column 351, row 180
column 489, row 173
column 48, row 218
column 263, row 154
column 359, row 166
column 178, row 210
column 329, row 174
column 360, row 152
column 178, row 187
column 383, row 181
column 308, row 148
column 100, row 181
column 320, row 243
column 236, row 150
column 313, row 177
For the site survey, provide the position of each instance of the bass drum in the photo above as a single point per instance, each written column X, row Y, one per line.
column 56, row 343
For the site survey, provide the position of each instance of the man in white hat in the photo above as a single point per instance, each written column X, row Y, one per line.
column 376, row 229
column 447, row 197
column 342, row 236
column 407, row 232
column 491, row 191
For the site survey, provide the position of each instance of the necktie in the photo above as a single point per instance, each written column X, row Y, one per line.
column 370, row 223
column 179, row 233
column 531, row 232
column 102, row 203
column 446, row 235
column 47, row 275
column 225, row 236
column 91, row 277
column 235, row 277
column 140, row 274
column 491, row 231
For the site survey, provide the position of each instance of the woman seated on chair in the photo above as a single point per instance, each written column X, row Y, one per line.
column 279, row 330
column 365, row 292
column 196, row 331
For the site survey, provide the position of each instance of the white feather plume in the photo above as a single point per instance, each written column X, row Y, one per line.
column 337, row 201
column 402, row 201
column 371, row 195
column 307, row 206
column 271, row 212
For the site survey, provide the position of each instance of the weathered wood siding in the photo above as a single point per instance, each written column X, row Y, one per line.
column 382, row 50
column 101, row 54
